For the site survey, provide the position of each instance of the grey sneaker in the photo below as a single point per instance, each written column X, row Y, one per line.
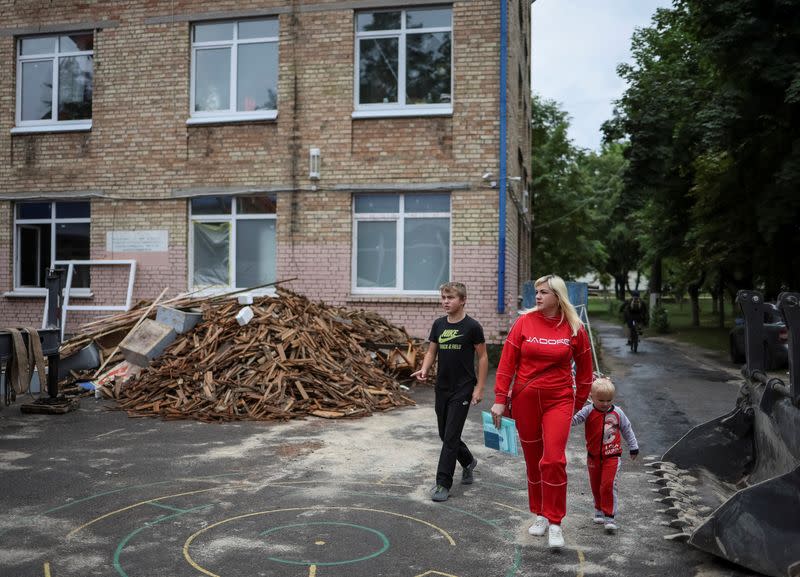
column 440, row 493
column 611, row 525
column 466, row 474
column 599, row 518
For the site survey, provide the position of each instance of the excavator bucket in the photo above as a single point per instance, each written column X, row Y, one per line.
column 732, row 485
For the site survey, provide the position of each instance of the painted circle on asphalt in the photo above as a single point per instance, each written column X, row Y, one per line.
column 296, row 533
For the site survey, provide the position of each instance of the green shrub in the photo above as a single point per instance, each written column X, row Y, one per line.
column 598, row 349
column 659, row 320
column 493, row 352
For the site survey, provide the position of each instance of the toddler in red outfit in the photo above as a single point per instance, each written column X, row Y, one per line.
column 606, row 426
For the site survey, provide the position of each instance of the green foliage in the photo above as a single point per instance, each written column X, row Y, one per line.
column 713, row 161
column 494, row 352
column 619, row 227
column 659, row 319
column 565, row 239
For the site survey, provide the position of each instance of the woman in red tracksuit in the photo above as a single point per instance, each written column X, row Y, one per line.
column 538, row 355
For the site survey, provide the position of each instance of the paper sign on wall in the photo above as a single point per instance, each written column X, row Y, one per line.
column 137, row 241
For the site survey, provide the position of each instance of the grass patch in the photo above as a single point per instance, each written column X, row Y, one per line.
column 708, row 335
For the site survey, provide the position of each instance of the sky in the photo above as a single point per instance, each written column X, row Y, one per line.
column 576, row 47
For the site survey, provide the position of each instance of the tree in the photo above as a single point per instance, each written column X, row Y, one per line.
column 746, row 206
column 564, row 239
column 618, row 227
column 712, row 117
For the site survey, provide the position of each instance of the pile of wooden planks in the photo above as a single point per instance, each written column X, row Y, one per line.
column 294, row 358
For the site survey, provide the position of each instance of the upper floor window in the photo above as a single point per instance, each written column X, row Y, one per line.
column 234, row 70
column 232, row 241
column 55, row 79
column 401, row 242
column 46, row 232
column 404, row 62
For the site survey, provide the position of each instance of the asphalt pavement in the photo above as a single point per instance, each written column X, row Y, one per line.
column 95, row 493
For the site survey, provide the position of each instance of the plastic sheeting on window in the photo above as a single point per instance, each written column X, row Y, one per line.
column 255, row 253
column 211, row 254
column 377, row 254
column 426, row 254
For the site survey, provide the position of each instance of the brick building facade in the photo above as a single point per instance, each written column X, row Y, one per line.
column 351, row 146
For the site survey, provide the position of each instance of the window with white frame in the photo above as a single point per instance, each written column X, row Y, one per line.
column 45, row 232
column 235, row 70
column 404, row 61
column 55, row 80
column 232, row 241
column 401, row 242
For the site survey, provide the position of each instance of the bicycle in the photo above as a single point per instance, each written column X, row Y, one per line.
column 636, row 330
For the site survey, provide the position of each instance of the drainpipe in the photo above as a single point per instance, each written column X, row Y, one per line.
column 501, row 188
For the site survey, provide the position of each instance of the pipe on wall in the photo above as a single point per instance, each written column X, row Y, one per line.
column 501, row 188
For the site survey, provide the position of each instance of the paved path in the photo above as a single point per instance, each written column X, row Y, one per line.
column 94, row 492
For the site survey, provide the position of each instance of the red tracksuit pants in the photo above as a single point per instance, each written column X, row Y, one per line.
column 603, row 480
column 544, row 418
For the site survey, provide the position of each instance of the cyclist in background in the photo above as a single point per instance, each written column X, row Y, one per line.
column 634, row 310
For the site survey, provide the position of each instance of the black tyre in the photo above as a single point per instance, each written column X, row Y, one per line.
column 635, row 338
column 737, row 356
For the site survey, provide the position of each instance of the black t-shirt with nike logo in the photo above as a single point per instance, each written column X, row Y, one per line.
column 456, row 360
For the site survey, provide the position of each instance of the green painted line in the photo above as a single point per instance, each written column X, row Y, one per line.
column 98, row 495
column 121, row 545
column 111, row 492
column 382, row 550
column 167, row 507
column 505, row 533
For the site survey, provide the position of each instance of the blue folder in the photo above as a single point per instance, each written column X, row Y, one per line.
column 503, row 439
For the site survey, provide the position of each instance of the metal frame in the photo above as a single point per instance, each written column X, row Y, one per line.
column 231, row 114
column 70, row 264
column 53, row 221
column 400, row 108
column 54, row 57
column 398, row 218
column 232, row 218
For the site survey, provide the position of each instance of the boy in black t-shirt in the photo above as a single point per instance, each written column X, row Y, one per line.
column 457, row 338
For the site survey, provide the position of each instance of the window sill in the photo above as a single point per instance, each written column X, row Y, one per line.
column 60, row 127
column 42, row 293
column 222, row 291
column 403, row 112
column 394, row 298
column 231, row 118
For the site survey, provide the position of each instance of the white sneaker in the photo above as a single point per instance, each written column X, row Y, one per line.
column 539, row 526
column 610, row 525
column 555, row 538
column 598, row 518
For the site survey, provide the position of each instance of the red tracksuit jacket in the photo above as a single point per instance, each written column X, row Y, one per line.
column 604, row 431
column 539, row 352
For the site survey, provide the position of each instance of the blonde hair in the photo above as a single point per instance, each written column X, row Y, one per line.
column 454, row 287
column 603, row 385
column 559, row 288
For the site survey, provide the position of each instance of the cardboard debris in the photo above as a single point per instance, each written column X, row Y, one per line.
column 119, row 373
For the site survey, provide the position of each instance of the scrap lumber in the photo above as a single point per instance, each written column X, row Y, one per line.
column 293, row 359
